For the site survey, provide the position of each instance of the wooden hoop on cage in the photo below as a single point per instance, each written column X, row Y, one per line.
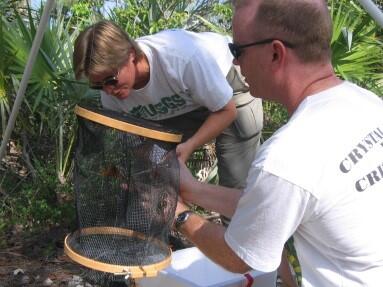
column 127, row 127
column 135, row 272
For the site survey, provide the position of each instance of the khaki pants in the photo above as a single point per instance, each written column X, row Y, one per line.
column 237, row 144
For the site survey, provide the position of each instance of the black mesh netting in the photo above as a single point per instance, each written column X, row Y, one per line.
column 126, row 189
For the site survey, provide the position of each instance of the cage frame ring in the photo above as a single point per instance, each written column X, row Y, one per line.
column 135, row 272
column 127, row 127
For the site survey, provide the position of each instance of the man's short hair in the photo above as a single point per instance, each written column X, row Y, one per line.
column 304, row 23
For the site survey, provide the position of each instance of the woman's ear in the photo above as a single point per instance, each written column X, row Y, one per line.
column 132, row 57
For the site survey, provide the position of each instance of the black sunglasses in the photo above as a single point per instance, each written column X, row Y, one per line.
column 108, row 81
column 236, row 50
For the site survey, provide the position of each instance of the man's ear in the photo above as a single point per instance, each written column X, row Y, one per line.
column 279, row 53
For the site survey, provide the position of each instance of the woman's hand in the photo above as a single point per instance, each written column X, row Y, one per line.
column 184, row 150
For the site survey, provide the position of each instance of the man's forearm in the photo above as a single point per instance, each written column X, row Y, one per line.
column 209, row 238
column 216, row 198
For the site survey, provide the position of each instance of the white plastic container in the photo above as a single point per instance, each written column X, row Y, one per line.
column 191, row 268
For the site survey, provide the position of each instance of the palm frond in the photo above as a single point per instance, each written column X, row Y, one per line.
column 357, row 51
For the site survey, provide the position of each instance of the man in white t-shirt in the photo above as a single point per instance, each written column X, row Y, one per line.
column 319, row 178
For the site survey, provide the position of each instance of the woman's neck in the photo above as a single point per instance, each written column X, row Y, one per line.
column 142, row 72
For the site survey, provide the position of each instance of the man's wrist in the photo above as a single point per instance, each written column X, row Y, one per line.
column 181, row 218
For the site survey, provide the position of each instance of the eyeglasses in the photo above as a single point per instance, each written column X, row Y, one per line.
column 236, row 50
column 108, row 81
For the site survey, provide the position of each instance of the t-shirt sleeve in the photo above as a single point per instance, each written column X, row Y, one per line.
column 206, row 82
column 267, row 215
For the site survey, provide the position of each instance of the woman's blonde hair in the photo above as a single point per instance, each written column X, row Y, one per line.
column 101, row 48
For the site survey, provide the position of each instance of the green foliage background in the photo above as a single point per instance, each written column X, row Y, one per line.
column 35, row 188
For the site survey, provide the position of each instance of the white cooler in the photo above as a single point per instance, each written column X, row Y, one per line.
column 190, row 268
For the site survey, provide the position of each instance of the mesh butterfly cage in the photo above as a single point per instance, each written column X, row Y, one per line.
column 126, row 183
